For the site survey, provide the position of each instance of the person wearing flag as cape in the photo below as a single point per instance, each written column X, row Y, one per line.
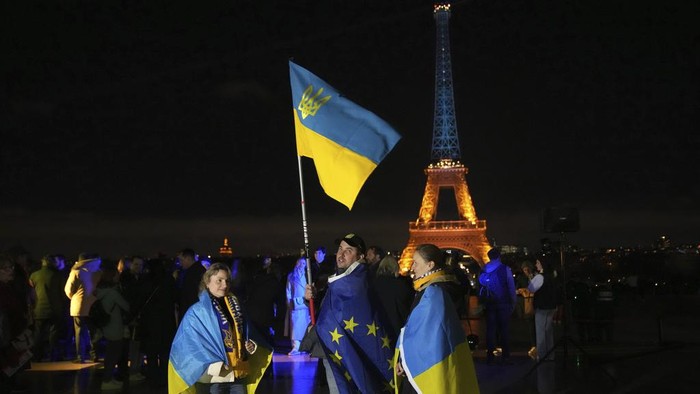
column 351, row 333
column 215, row 350
column 432, row 350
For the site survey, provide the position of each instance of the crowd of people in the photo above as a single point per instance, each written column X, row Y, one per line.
column 188, row 323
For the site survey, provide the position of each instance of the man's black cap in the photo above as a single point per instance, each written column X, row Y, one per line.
column 354, row 241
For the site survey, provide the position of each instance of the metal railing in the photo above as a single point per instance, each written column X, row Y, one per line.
column 447, row 225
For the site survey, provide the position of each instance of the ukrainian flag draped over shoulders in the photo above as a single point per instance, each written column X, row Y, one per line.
column 198, row 343
column 434, row 349
column 346, row 141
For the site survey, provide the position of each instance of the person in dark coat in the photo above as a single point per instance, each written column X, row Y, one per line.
column 498, row 295
column 453, row 267
column 48, row 309
column 14, row 326
column 525, row 309
column 395, row 294
column 321, row 269
column 156, row 316
column 188, row 278
column 375, row 254
column 265, row 303
column 114, row 303
column 132, row 286
column 544, row 286
column 65, row 332
column 265, row 300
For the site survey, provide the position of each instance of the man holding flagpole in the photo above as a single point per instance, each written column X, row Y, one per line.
column 352, row 335
column 346, row 143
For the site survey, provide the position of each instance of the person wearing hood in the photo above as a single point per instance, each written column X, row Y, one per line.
column 80, row 287
column 298, row 313
column 498, row 296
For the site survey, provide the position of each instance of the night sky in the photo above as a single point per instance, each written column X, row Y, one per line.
column 139, row 127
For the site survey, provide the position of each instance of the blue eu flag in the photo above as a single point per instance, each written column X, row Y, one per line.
column 357, row 346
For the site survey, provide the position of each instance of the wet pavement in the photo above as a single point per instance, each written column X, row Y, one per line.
column 654, row 348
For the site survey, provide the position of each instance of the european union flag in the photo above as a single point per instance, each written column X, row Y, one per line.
column 346, row 141
column 354, row 339
column 435, row 353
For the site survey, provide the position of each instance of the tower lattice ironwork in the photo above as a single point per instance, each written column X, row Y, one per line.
column 467, row 233
column 445, row 137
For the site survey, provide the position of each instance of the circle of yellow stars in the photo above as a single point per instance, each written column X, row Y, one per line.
column 372, row 329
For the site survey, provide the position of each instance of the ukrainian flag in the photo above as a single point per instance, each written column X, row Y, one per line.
column 435, row 353
column 346, row 141
column 198, row 344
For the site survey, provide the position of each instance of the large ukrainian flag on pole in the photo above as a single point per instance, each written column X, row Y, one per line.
column 346, row 141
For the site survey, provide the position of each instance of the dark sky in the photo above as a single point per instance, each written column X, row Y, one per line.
column 136, row 127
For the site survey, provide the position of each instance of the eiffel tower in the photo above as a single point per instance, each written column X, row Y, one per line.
column 467, row 233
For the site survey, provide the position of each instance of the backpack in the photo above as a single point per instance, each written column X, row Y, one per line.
column 486, row 296
column 98, row 315
column 489, row 295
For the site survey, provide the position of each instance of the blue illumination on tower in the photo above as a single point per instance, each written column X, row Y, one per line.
column 445, row 138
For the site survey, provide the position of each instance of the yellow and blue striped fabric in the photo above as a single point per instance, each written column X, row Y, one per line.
column 198, row 344
column 346, row 141
column 434, row 349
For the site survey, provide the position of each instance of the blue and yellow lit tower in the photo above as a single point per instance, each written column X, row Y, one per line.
column 445, row 138
column 467, row 233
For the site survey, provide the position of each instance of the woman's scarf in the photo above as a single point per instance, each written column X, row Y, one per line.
column 434, row 350
column 430, row 277
column 232, row 334
column 198, row 343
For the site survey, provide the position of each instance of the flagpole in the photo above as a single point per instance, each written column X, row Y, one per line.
column 304, row 226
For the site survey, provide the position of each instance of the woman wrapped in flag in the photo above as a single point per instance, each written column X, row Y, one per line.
column 432, row 350
column 214, row 351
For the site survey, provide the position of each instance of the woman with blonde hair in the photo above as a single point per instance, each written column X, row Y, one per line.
column 213, row 349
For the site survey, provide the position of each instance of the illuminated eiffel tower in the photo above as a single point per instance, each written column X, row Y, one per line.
column 467, row 233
